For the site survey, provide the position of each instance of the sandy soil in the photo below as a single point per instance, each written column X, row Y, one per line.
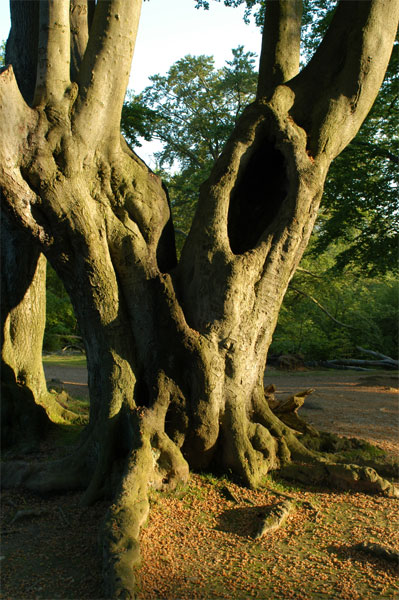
column 350, row 403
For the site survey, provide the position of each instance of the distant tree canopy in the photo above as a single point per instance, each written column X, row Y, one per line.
column 2, row 53
column 192, row 110
column 316, row 16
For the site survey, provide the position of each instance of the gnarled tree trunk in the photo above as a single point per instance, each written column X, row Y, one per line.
column 176, row 351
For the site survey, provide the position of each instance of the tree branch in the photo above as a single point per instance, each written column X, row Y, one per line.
column 80, row 20
column 308, row 272
column 16, row 121
column 105, row 69
column 291, row 287
column 383, row 357
column 279, row 58
column 53, row 65
column 337, row 88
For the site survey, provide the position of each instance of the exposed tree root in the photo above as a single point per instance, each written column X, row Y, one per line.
column 156, row 462
column 120, row 541
column 274, row 518
column 341, row 476
column 69, row 473
column 59, row 413
column 342, row 448
column 379, row 551
column 287, row 411
column 313, row 465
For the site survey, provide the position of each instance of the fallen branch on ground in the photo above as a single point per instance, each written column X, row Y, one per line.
column 356, row 362
column 305, row 503
column 28, row 512
column 229, row 495
column 37, row 512
column 383, row 357
column 287, row 409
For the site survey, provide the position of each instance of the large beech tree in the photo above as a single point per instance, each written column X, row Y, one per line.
column 175, row 350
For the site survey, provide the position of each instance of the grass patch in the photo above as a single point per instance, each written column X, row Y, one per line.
column 58, row 360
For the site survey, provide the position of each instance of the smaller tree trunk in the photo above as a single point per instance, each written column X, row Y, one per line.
column 23, row 313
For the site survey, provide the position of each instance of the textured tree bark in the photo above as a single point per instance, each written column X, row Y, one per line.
column 23, row 276
column 176, row 352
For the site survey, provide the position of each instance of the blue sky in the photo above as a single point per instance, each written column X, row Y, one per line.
column 170, row 29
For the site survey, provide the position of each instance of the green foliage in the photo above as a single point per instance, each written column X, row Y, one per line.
column 317, row 15
column 2, row 53
column 60, row 318
column 191, row 110
column 360, row 197
column 137, row 120
column 368, row 306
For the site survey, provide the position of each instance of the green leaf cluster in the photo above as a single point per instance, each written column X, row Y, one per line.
column 192, row 109
column 2, row 53
column 60, row 317
column 366, row 308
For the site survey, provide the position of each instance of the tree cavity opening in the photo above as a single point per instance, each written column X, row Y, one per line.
column 260, row 189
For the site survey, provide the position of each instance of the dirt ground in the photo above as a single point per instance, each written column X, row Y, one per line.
column 200, row 544
column 349, row 403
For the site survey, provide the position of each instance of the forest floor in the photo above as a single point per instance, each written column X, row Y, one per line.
column 199, row 542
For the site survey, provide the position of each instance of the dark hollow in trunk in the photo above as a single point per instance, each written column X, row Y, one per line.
column 257, row 196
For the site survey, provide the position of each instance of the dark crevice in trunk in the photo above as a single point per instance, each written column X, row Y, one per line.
column 176, row 421
column 257, row 196
column 166, row 249
column 142, row 396
column 22, row 45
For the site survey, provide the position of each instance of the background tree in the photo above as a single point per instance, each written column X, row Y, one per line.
column 2, row 53
column 327, row 314
column 176, row 349
column 192, row 110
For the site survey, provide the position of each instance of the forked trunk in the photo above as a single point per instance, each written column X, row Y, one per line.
column 176, row 351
